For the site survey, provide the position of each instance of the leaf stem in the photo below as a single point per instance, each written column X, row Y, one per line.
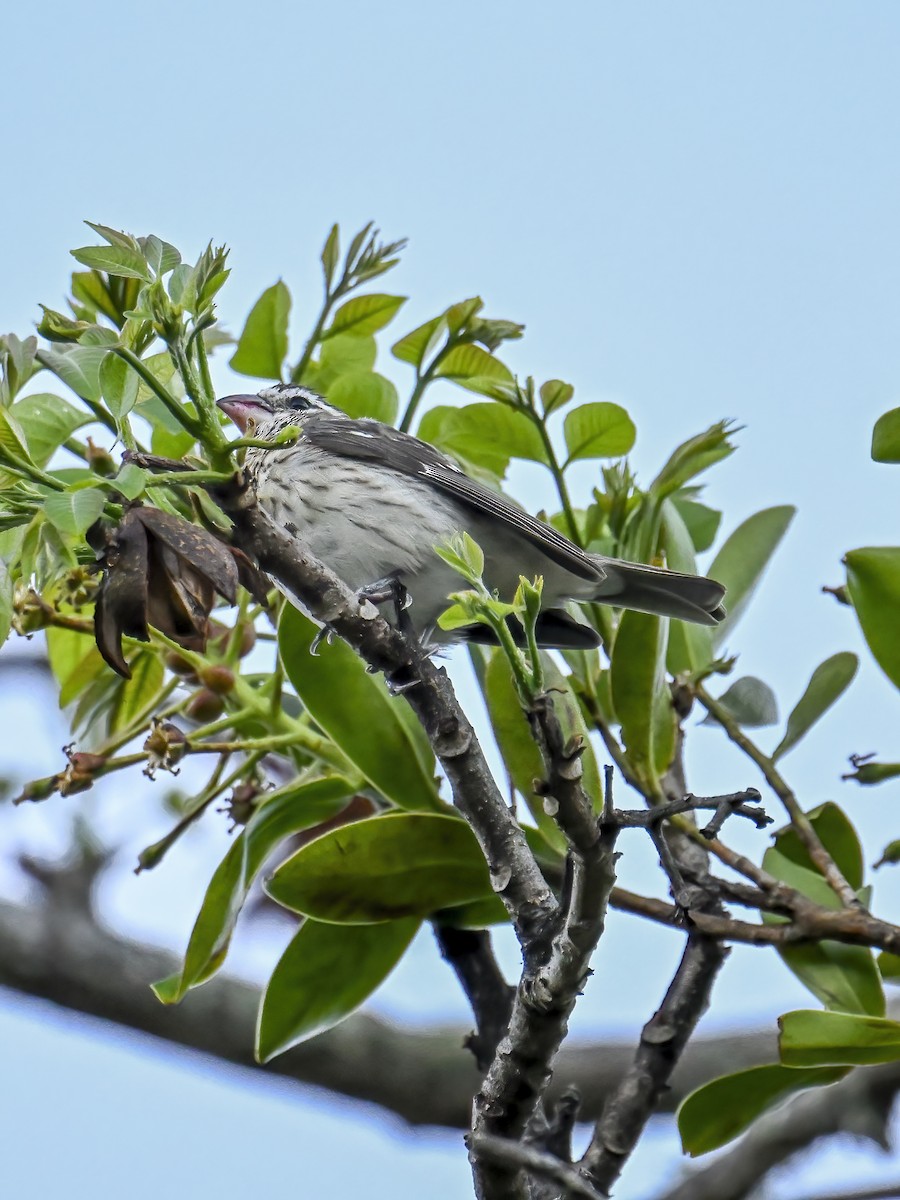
column 191, row 424
column 801, row 822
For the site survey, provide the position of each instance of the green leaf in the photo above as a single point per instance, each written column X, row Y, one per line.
column 12, row 438
column 74, row 512
column 690, row 646
column 46, row 422
column 326, row 973
column 263, row 345
column 356, row 711
column 460, row 314
column 331, row 253
column 692, row 458
column 6, row 602
column 130, row 481
column 886, row 437
column 829, row 681
column 837, row 834
column 641, row 696
column 74, row 660
column 702, row 522
column 463, row 363
column 365, row 394
column 120, row 260
column 718, row 1111
column 161, row 256
column 889, row 965
column 844, row 978
column 873, row 578
column 364, row 315
column 292, row 808
column 740, row 563
column 78, row 368
column 119, row 385
column 384, row 868
column 418, row 345
column 555, row 395
column 599, row 430
column 486, row 435
column 750, row 701
column 137, row 694
column 809, row 1038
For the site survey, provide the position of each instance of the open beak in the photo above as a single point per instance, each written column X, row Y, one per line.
column 242, row 409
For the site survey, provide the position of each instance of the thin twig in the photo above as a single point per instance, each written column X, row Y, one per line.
column 805, row 830
column 518, row 1156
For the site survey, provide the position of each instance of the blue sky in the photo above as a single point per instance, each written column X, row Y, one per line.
column 693, row 208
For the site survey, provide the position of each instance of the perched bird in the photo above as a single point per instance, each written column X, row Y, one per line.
column 371, row 503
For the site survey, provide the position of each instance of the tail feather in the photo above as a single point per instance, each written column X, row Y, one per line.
column 656, row 590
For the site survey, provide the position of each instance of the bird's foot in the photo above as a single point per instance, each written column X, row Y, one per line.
column 324, row 634
column 389, row 590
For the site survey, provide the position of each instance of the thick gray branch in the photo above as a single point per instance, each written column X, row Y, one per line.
column 59, row 954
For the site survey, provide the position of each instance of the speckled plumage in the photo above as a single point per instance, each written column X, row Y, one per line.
column 371, row 502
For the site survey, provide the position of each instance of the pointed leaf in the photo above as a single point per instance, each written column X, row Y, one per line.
column 471, row 362
column 364, row 315
column 324, row 975
column 418, row 345
column 690, row 645
column 600, row 430
column 263, row 345
column 383, row 868
column 294, row 807
column 741, row 562
column 873, row 578
column 692, row 458
column 718, row 1111
column 641, row 696
column 356, row 711
column 829, row 681
column 121, row 260
column 331, row 253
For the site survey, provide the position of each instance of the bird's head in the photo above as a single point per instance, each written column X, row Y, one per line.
column 273, row 408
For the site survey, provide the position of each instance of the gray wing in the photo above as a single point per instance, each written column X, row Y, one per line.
column 370, row 441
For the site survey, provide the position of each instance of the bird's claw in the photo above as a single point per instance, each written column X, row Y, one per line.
column 324, row 634
column 390, row 589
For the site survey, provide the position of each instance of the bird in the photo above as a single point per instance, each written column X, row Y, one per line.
column 371, row 503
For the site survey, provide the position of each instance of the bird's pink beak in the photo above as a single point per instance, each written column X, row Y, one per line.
column 242, row 409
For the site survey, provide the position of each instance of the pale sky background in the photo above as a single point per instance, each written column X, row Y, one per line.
column 694, row 208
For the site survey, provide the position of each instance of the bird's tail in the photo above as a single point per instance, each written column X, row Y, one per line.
column 656, row 590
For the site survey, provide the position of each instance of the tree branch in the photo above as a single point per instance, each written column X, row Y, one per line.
column 663, row 1039
column 54, row 951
